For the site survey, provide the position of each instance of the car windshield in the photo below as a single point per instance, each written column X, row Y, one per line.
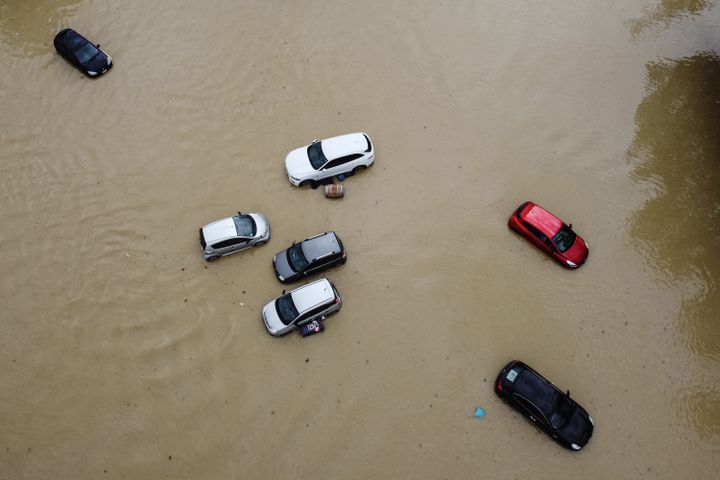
column 244, row 225
column 86, row 52
column 296, row 258
column 565, row 238
column 562, row 412
column 316, row 156
column 286, row 309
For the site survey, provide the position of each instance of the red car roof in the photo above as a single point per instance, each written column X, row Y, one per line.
column 543, row 220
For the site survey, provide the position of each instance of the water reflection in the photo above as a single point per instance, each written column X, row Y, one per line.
column 668, row 11
column 28, row 27
column 701, row 408
column 677, row 152
column 677, row 146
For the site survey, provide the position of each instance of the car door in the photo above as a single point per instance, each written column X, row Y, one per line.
column 309, row 315
column 231, row 245
column 318, row 264
column 532, row 411
column 538, row 238
column 341, row 165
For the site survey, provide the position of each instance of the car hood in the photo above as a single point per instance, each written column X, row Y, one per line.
column 97, row 63
column 578, row 429
column 271, row 318
column 297, row 163
column 578, row 252
column 282, row 266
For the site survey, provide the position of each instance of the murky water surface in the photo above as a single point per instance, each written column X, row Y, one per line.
column 125, row 355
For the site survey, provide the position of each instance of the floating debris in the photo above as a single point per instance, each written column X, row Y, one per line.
column 334, row 191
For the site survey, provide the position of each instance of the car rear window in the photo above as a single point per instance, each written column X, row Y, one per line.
column 369, row 146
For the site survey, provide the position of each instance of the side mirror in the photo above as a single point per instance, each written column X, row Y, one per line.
column 239, row 212
column 315, row 141
column 568, row 393
column 570, row 226
column 283, row 291
column 294, row 242
column 98, row 45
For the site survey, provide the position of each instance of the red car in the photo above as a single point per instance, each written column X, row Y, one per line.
column 549, row 234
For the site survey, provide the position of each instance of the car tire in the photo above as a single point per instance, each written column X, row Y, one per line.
column 262, row 242
column 213, row 258
column 304, row 183
column 358, row 168
column 314, row 185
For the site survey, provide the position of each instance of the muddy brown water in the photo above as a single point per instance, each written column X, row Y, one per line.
column 125, row 355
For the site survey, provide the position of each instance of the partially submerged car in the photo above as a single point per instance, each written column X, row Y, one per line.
column 82, row 53
column 233, row 234
column 325, row 159
column 312, row 255
column 553, row 411
column 313, row 301
column 549, row 234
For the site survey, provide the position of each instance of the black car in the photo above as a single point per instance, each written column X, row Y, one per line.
column 79, row 51
column 552, row 410
column 312, row 255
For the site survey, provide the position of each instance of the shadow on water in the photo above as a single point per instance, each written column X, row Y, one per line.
column 27, row 28
column 667, row 11
column 677, row 150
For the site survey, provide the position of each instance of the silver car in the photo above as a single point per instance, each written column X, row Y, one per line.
column 233, row 234
column 313, row 301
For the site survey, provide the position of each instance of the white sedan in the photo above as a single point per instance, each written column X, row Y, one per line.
column 324, row 159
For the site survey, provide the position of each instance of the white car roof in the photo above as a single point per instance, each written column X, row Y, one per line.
column 342, row 145
column 312, row 294
column 219, row 230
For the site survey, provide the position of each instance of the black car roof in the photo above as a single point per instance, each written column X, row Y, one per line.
column 320, row 245
column 71, row 39
column 536, row 389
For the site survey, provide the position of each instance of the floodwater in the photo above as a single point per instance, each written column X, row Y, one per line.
column 125, row 355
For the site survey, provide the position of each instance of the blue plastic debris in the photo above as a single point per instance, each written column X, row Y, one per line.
column 479, row 412
column 341, row 177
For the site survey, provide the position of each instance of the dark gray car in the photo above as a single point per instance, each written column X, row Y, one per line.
column 310, row 256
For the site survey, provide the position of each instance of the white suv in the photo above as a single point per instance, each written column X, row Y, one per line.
column 313, row 301
column 324, row 159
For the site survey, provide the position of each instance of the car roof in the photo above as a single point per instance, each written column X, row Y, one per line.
column 319, row 245
column 71, row 38
column 535, row 388
column 312, row 294
column 339, row 146
column 543, row 220
column 219, row 230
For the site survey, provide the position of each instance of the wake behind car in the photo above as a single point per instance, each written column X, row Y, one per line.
column 553, row 411
column 311, row 302
column 549, row 234
column 233, row 234
column 324, row 159
column 312, row 255
column 83, row 54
